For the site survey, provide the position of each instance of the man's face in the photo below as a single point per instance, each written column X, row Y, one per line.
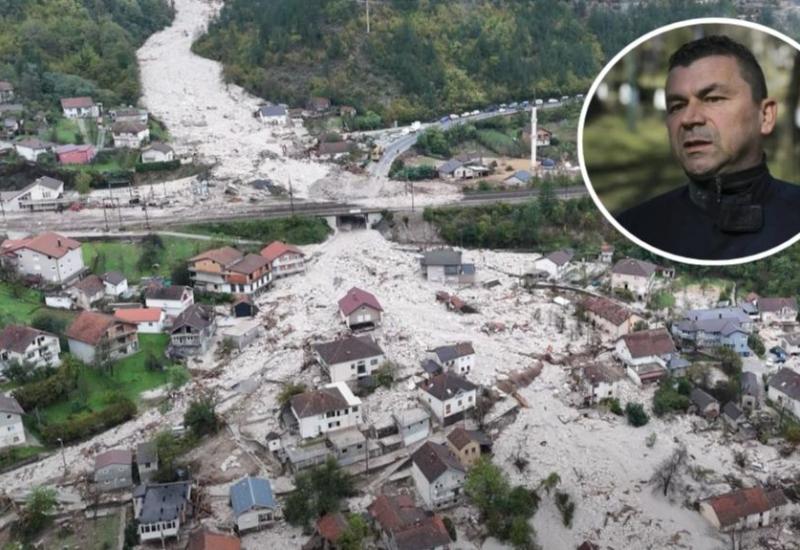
column 714, row 125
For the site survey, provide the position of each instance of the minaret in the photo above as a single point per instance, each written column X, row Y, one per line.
column 534, row 133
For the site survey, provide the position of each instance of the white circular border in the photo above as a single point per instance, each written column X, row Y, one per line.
column 686, row 23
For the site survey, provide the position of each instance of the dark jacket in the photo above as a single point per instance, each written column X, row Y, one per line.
column 729, row 216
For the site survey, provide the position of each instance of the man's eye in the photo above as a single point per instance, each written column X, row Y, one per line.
column 674, row 107
column 713, row 99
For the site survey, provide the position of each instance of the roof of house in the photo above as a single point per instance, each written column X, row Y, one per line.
column 355, row 298
column 113, row 277
column 314, row 402
column 249, row 493
column 90, row 327
column 225, row 255
column 9, row 405
column 776, row 304
column 561, row 257
column 206, row 540
column 460, row 437
column 792, row 339
column 33, row 143
column 128, row 127
column 158, row 146
column 442, row 256
column 596, row 373
column 62, row 149
column 50, row 183
column 146, row 452
column 196, row 316
column 786, row 381
column 90, row 285
column 331, row 526
column 139, row 314
column 430, row 366
column 276, row 249
column 5, row 86
column 750, row 383
column 335, row 147
column 49, row 243
column 522, row 175
column 450, row 166
column 350, row 348
column 272, row 110
column 725, row 327
column 736, row 505
column 636, row 268
column 395, row 513
column 174, row 292
column 408, row 417
column 17, row 338
column 113, row 457
column 249, row 264
column 701, row 399
column 446, row 385
column 429, row 533
column 434, row 459
column 76, row 102
column 732, row 411
column 607, row 309
column 735, row 313
column 644, row 343
column 163, row 501
column 453, row 351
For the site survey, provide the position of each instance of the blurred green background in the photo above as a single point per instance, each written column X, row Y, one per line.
column 626, row 148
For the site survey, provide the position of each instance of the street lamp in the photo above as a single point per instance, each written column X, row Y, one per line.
column 63, row 456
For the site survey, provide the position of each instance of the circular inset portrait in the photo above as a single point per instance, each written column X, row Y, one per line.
column 689, row 141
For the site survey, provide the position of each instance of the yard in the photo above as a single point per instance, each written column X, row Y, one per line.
column 67, row 131
column 99, row 533
column 18, row 304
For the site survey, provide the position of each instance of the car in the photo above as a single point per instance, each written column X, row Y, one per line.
column 552, row 101
column 513, row 105
column 525, row 103
column 539, row 102
column 579, row 96
column 503, row 105
column 454, row 116
column 501, row 110
column 444, row 119
column 779, row 353
column 475, row 112
column 564, row 98
column 465, row 114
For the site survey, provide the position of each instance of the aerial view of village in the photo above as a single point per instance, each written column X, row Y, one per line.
column 325, row 274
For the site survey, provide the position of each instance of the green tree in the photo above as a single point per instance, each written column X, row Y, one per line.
column 318, row 491
column 34, row 516
column 177, row 376
column 668, row 399
column 355, row 533
column 201, row 418
column 289, row 390
column 83, row 183
column 636, row 415
column 755, row 343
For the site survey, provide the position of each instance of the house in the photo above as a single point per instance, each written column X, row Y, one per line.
column 783, row 389
column 148, row 320
column 405, row 526
column 88, row 291
column 157, row 152
column 97, row 336
column 458, row 358
column 31, row 148
column 129, row 134
column 606, row 255
column 113, row 470
column 542, row 136
column 448, row 397
column 703, row 404
column 53, row 257
column 520, row 177
column 774, row 311
column 712, row 328
column 430, row 368
column 42, row 194
column 468, row 445
column 243, row 306
column 161, row 508
column 413, row 425
column 12, row 431
column 611, row 317
column 243, row 334
column 349, row 358
column 80, row 107
column 146, row 460
column 307, row 454
column 229, row 270
column 318, row 104
column 329, row 529
column 329, row 408
column 335, row 149
column 791, row 343
column 284, row 259
column 254, row 506
column 438, row 475
column 192, row 330
column 555, row 264
column 273, row 114
column 445, row 266
column 206, row 540
column 75, row 154
column 455, row 169
column 643, row 350
column 347, row 111
column 742, row 509
column 359, row 308
column 129, row 114
column 349, row 446
column 116, row 284
column 6, row 91
column 597, row 382
column 752, row 392
column 28, row 346
column 172, row 299
column 11, row 127
column 635, row 276
column 732, row 415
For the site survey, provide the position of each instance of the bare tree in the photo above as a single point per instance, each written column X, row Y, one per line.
column 669, row 471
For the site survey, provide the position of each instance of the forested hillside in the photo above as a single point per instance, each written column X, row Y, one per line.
column 55, row 48
column 425, row 57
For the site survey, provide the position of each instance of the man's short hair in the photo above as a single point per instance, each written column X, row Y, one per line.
column 722, row 45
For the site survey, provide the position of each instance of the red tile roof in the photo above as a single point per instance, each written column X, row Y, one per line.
column 644, row 343
column 355, row 298
column 731, row 507
column 331, row 526
column 114, row 456
column 76, row 102
column 89, row 327
column 139, row 314
column 224, row 256
column 50, row 244
column 608, row 310
column 395, row 513
column 276, row 249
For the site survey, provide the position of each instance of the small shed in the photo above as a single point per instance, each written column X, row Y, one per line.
column 243, row 306
column 253, row 503
column 243, row 334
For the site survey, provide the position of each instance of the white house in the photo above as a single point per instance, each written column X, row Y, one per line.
column 88, row 291
column 26, row 345
column 80, row 107
column 126, row 114
column 438, row 475
column 254, row 506
column 609, row 316
column 39, row 195
column 161, row 508
column 783, row 389
column 742, row 509
column 273, row 114
column 148, row 320
column 777, row 310
column 31, row 148
column 598, row 382
column 285, row 259
column 172, row 299
column 12, row 432
column 640, row 351
column 229, row 270
column 130, row 134
column 349, row 358
column 157, row 152
column 636, row 276
column 359, row 308
column 116, row 284
column 332, row 407
column 413, row 425
column 448, row 397
column 458, row 358
column 791, row 343
column 555, row 264
column 53, row 257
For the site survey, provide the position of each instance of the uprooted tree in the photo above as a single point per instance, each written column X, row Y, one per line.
column 669, row 472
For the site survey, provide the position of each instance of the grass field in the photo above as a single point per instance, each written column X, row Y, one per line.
column 96, row 533
column 66, row 130
column 500, row 142
column 296, row 230
column 19, row 305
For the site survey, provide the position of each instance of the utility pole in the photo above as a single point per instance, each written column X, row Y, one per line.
column 105, row 215
column 291, row 196
column 367, row 16
column 146, row 219
column 119, row 213
column 63, row 457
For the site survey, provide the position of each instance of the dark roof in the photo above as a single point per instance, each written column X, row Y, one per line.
column 50, row 183
column 522, row 175
column 355, row 298
column 786, row 381
column 314, row 402
column 10, row 405
column 431, row 367
column 701, row 399
column 560, row 257
column 732, row 410
column 113, row 457
column 731, row 507
column 460, row 437
column 272, row 110
column 395, row 513
column 434, row 459
column 166, row 292
column 113, row 277
column 450, row 166
column 158, row 146
column 17, row 338
column 775, row 304
column 348, row 349
column 638, row 268
column 607, row 309
column 644, row 343
column 453, row 351
column 90, row 327
column 750, row 384
column 163, row 501
column 90, row 285
column 196, row 316
column 249, row 264
column 146, row 452
column 249, row 493
column 597, row 373
column 128, row 127
column 429, row 533
column 446, row 385
column 335, row 147
column 443, row 256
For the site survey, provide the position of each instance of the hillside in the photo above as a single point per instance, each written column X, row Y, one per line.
column 424, row 58
column 55, row 48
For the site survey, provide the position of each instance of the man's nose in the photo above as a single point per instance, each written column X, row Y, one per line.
column 692, row 115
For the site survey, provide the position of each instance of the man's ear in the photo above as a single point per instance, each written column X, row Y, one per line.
column 769, row 115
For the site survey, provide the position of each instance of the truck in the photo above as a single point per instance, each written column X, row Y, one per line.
column 416, row 126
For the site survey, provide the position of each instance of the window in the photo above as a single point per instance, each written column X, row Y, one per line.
column 355, row 408
column 373, row 362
